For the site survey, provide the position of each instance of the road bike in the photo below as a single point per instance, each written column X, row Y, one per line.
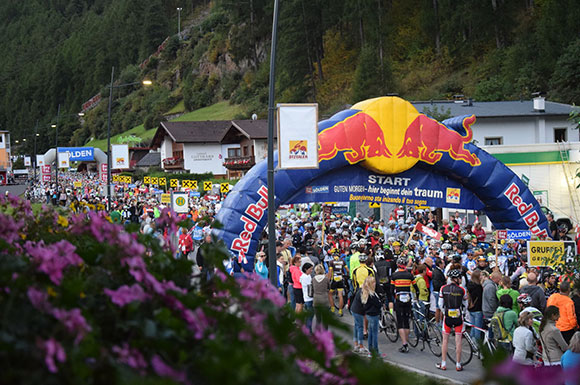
column 388, row 324
column 426, row 331
column 469, row 347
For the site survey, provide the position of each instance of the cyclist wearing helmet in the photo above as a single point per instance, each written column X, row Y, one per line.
column 337, row 270
column 361, row 273
column 453, row 302
column 525, row 302
column 402, row 281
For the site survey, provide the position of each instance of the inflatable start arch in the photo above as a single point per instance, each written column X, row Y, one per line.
column 383, row 150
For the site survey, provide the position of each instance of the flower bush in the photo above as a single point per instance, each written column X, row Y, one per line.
column 85, row 301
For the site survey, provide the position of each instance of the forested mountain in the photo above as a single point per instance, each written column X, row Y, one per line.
column 334, row 52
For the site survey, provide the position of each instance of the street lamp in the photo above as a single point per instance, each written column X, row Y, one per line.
column 145, row 82
column 179, row 22
column 55, row 126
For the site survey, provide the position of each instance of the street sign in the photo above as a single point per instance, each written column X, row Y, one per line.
column 541, row 253
column 78, row 184
column 224, row 188
column 207, row 185
column 173, row 183
column 180, row 202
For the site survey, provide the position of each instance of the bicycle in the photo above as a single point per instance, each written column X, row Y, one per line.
column 426, row 331
column 469, row 346
column 388, row 324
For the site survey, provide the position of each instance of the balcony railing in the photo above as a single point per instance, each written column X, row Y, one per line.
column 239, row 163
column 173, row 163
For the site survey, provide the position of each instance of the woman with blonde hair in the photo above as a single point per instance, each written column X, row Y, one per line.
column 524, row 341
column 372, row 305
column 571, row 360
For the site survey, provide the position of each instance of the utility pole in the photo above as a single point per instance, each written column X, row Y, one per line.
column 34, row 156
column 56, row 148
column 109, row 141
column 179, row 22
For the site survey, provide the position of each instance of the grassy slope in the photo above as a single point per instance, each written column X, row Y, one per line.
column 218, row 111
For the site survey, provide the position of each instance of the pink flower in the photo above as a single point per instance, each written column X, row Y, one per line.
column 324, row 342
column 130, row 356
column 74, row 321
column 39, row 299
column 127, row 294
column 164, row 370
column 254, row 288
column 197, row 321
column 52, row 350
column 10, row 229
column 53, row 259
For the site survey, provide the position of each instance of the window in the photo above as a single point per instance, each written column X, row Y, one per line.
column 245, row 150
column 560, row 135
column 178, row 154
column 233, row 152
column 495, row 141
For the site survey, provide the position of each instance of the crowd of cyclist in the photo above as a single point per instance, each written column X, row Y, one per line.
column 363, row 265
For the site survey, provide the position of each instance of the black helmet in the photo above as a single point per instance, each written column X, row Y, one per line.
column 454, row 273
column 362, row 257
column 402, row 261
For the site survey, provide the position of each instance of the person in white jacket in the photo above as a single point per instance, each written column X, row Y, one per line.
column 524, row 341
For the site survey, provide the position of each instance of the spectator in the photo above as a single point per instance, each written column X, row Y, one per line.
column 534, row 291
column 372, row 306
column 260, row 267
column 553, row 344
column 296, row 285
column 475, row 295
column 506, row 288
column 567, row 323
column 438, row 281
column 489, row 299
column 571, row 360
column 509, row 320
column 321, row 289
column 524, row 342
column 307, row 292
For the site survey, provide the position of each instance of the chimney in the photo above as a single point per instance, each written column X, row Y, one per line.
column 539, row 102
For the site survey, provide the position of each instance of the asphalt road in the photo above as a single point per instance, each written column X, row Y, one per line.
column 422, row 362
column 16, row 189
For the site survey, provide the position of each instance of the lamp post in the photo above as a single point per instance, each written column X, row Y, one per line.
column 56, row 149
column 111, row 86
column 179, row 22
column 34, row 155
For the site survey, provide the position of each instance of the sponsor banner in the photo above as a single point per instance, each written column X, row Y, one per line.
column 165, row 198
column 428, row 231
column 501, row 234
column 297, row 136
column 46, row 169
column 78, row 184
column 526, row 205
column 39, row 160
column 339, row 210
column 519, row 234
column 91, row 103
column 194, row 194
column 416, row 186
column 180, row 202
column 63, row 160
column 78, row 154
column 551, row 253
column 46, row 178
column 120, row 156
column 27, row 161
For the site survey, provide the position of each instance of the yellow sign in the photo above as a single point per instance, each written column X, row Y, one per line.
column 162, row 181
column 127, row 179
column 541, row 253
column 147, row 180
column 207, row 185
column 165, row 198
column 374, row 205
column 115, row 178
column 154, row 180
column 192, row 184
column 78, row 184
column 173, row 183
column 224, row 188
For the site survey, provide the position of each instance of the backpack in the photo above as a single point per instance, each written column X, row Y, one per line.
column 496, row 325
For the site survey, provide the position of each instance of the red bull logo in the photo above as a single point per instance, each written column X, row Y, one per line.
column 390, row 125
column 359, row 135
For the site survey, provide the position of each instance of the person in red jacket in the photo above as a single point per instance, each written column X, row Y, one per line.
column 185, row 243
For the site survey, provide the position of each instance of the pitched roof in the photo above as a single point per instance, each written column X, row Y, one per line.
column 494, row 109
column 151, row 159
column 209, row 131
column 255, row 129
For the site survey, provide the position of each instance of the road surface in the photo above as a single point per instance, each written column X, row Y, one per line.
column 422, row 362
column 15, row 189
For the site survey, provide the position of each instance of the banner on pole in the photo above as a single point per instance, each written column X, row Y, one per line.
column 120, row 155
column 63, row 160
column 297, row 136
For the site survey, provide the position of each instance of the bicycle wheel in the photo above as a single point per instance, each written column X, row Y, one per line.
column 466, row 350
column 414, row 333
column 391, row 327
column 434, row 339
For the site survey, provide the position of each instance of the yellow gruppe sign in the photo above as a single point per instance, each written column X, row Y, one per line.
column 541, row 253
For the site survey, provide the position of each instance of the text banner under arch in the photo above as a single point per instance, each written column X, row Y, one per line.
column 412, row 187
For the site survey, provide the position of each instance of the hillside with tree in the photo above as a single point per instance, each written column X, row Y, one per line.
column 331, row 52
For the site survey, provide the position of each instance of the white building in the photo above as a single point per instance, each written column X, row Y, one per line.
column 534, row 138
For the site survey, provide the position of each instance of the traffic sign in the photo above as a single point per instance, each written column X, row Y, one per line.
column 224, row 188
column 162, row 181
column 115, row 178
column 154, row 180
column 173, row 183
column 207, row 185
column 147, row 180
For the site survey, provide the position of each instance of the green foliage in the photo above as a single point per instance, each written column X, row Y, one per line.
column 567, row 74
